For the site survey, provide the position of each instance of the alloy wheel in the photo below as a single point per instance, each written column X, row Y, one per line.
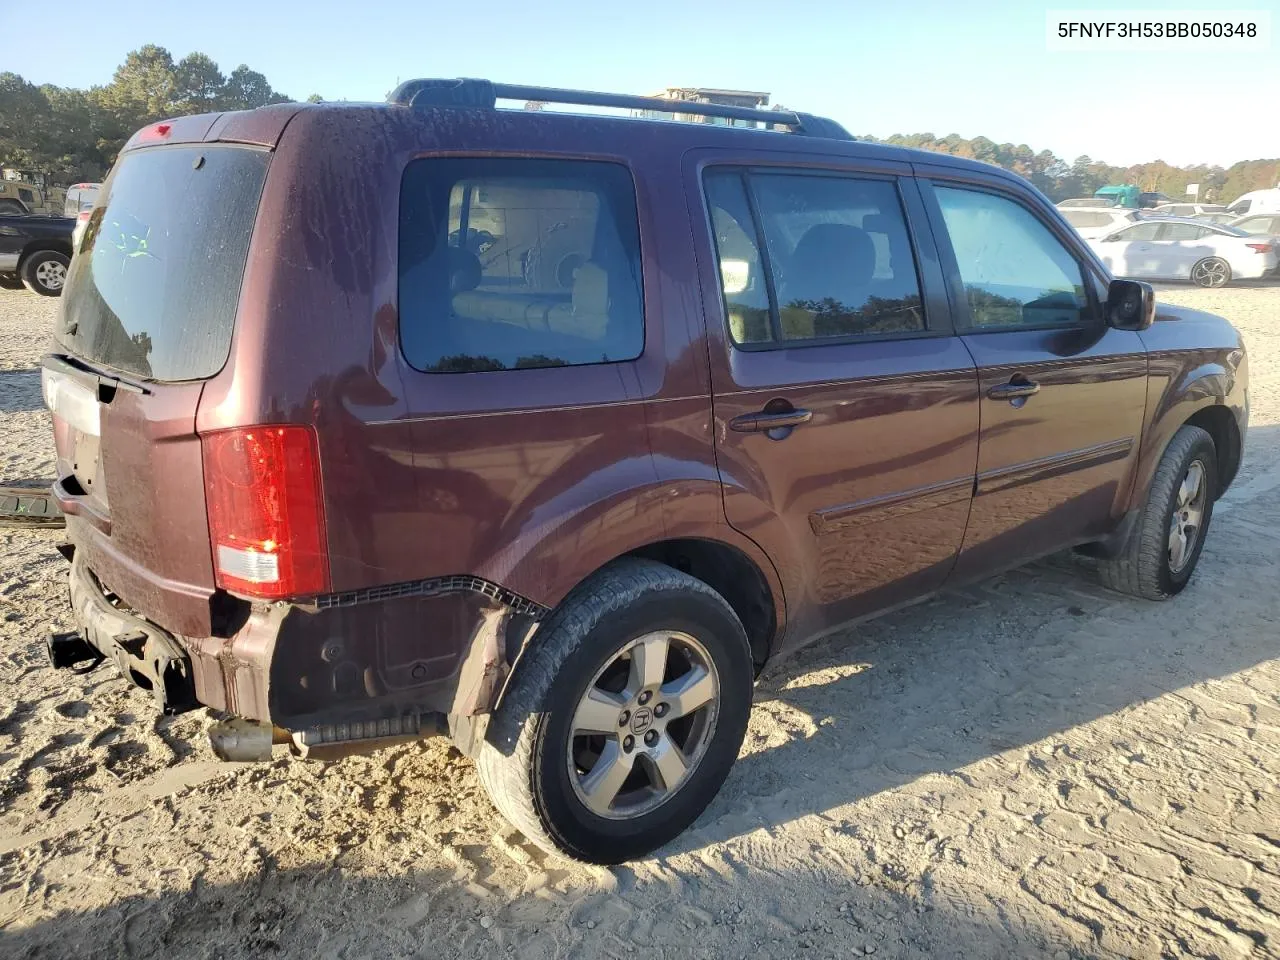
column 643, row 725
column 1187, row 521
column 1212, row 272
column 51, row 275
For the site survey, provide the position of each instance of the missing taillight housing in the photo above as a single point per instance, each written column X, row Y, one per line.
column 266, row 515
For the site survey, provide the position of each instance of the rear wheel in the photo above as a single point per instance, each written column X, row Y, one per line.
column 45, row 272
column 620, row 725
column 1211, row 272
column 1164, row 545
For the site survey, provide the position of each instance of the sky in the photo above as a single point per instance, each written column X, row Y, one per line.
column 878, row 67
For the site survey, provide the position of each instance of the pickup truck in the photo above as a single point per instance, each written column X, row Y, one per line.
column 35, row 252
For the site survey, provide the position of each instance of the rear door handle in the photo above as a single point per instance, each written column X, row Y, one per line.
column 1017, row 387
column 764, row 422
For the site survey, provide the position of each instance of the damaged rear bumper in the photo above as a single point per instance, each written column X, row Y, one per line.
column 341, row 672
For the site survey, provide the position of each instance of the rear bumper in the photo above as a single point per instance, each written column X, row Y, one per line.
column 350, row 669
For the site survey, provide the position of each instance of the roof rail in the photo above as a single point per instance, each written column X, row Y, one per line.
column 484, row 94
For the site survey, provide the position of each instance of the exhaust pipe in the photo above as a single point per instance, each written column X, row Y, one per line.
column 241, row 741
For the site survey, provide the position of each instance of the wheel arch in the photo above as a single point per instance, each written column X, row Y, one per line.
column 1221, row 425
column 733, row 574
column 40, row 246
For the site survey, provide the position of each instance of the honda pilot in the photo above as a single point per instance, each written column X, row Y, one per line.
column 547, row 431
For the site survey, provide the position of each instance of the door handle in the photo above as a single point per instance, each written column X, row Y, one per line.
column 1019, row 386
column 764, row 422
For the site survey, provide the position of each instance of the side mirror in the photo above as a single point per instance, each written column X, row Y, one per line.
column 1131, row 305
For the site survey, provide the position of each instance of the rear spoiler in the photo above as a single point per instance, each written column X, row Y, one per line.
column 261, row 127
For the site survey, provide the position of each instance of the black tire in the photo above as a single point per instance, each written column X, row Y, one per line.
column 1143, row 567
column 523, row 761
column 36, row 279
column 10, row 281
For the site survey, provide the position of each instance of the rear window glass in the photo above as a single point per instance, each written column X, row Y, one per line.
column 509, row 263
column 154, row 285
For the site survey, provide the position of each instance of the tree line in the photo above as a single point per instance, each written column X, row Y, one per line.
column 1084, row 175
column 68, row 135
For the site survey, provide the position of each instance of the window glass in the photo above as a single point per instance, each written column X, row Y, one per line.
column 1141, row 231
column 840, row 256
column 1015, row 272
column 742, row 278
column 26, row 196
column 1087, row 218
column 508, row 263
column 1255, row 225
column 153, row 289
column 1182, row 231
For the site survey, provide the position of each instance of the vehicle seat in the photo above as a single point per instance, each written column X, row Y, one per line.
column 832, row 261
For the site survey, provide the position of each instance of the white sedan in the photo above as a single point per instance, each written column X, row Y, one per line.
column 1209, row 254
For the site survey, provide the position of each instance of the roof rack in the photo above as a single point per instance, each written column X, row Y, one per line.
column 484, row 94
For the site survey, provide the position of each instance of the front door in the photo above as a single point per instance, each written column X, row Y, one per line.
column 1062, row 394
column 846, row 409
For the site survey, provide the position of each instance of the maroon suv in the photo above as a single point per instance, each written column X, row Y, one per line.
column 549, row 430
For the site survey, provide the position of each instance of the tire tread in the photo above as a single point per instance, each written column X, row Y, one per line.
column 511, row 778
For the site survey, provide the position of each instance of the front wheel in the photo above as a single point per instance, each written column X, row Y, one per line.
column 45, row 272
column 1211, row 272
column 1164, row 545
column 622, row 721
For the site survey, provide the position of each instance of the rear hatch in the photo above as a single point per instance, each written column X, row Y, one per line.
column 147, row 317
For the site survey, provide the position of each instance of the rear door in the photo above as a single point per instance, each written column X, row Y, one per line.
column 845, row 408
column 146, row 319
column 1062, row 394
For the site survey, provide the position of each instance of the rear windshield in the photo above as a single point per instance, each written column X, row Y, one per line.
column 154, row 285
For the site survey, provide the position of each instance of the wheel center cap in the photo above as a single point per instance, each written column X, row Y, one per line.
column 641, row 720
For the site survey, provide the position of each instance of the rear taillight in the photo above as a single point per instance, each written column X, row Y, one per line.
column 83, row 215
column 1259, row 247
column 266, row 517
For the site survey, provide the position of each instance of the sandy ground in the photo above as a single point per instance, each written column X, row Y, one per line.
column 1031, row 767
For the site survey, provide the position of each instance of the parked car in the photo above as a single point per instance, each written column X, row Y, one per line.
column 35, row 251
column 79, row 196
column 1194, row 210
column 551, row 430
column 1093, row 222
column 1256, row 201
column 82, row 223
column 1220, row 218
column 1183, row 249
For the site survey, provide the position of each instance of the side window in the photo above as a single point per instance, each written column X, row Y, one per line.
column 1087, row 218
column 508, row 263
column 1141, row 231
column 841, row 256
column 26, row 196
column 1256, row 225
column 742, row 277
column 1015, row 271
column 836, row 251
column 1182, row 231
